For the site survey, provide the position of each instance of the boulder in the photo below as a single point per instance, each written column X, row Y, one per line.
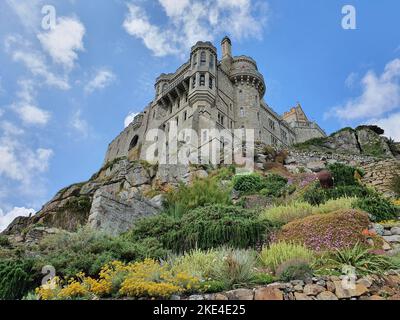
column 302, row 296
column 393, row 238
column 240, row 294
column 395, row 231
column 313, row 289
column 268, row 293
column 327, row 295
column 345, row 292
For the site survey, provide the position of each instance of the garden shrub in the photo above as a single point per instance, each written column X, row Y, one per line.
column 274, row 185
column 203, row 228
column 357, row 257
column 279, row 253
column 296, row 269
column 238, row 267
column 378, row 207
column 315, row 195
column 147, row 278
column 200, row 193
column 88, row 250
column 286, row 213
column 343, row 175
column 218, row 225
column 337, row 230
column 248, row 183
column 17, row 277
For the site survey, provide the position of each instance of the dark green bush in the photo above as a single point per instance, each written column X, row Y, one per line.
column 316, row 195
column 342, row 174
column 17, row 277
column 378, row 207
column 274, row 185
column 248, row 183
column 203, row 228
column 217, row 225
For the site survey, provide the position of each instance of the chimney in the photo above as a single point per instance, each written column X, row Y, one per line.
column 226, row 48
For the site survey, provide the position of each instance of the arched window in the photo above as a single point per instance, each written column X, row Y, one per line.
column 202, row 80
column 211, row 61
column 194, row 82
column 134, row 142
column 203, row 58
column 242, row 113
column 164, row 87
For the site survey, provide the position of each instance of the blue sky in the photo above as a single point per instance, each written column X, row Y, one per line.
column 65, row 93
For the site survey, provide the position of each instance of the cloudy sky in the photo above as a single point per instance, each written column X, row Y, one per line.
column 68, row 90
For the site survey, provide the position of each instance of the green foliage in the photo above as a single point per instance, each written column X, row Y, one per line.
column 274, row 185
column 81, row 204
column 283, row 252
column 17, row 277
column 88, row 250
column 357, row 257
column 343, row 175
column 248, row 183
column 286, row 213
column 238, row 268
column 380, row 208
column 315, row 195
column 296, row 269
column 315, row 142
column 200, row 193
column 203, row 228
column 4, row 242
column 395, row 185
column 262, row 278
column 342, row 130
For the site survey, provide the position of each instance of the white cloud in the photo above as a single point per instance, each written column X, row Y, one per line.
column 79, row 124
column 380, row 94
column 129, row 118
column 31, row 114
column 28, row 12
column 64, row 41
column 22, row 51
column 102, row 79
column 189, row 21
column 391, row 125
column 26, row 108
column 8, row 217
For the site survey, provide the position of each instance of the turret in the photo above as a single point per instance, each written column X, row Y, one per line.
column 226, row 48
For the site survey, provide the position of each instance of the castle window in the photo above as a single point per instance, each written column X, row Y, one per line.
column 134, row 142
column 202, row 80
column 231, row 124
column 220, row 119
column 203, row 58
column 194, row 82
column 178, row 103
column 256, row 99
column 258, row 116
column 195, row 60
column 177, row 121
column 230, row 106
column 154, row 114
column 284, row 135
column 211, row 61
column 271, row 124
column 170, row 109
column 210, row 83
column 185, row 116
column 242, row 113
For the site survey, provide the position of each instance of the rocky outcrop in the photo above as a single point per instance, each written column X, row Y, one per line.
column 115, row 216
column 364, row 140
column 115, row 197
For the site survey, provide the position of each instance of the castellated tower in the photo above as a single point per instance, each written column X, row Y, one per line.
column 202, row 94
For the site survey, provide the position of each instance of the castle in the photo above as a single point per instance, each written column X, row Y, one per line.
column 208, row 93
